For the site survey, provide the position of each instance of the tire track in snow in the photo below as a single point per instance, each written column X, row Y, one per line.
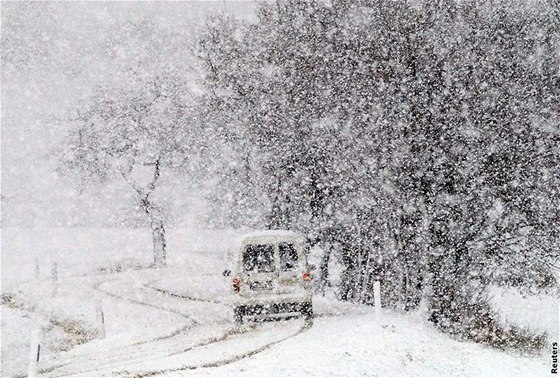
column 142, row 303
column 138, row 356
column 216, row 363
column 149, row 353
column 116, row 358
column 174, row 333
column 182, row 296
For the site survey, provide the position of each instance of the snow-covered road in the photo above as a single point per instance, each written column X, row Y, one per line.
column 200, row 333
column 200, row 339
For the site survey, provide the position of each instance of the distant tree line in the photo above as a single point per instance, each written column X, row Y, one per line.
column 419, row 141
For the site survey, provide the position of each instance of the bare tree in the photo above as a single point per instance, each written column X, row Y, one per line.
column 130, row 132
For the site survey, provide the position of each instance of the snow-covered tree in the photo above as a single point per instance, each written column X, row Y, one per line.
column 135, row 133
column 405, row 135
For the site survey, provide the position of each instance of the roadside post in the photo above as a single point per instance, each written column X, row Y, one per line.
column 377, row 297
column 100, row 319
column 34, row 352
column 54, row 278
column 37, row 269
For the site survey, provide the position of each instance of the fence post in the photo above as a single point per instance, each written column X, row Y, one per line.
column 37, row 269
column 54, row 279
column 100, row 319
column 34, row 352
column 377, row 297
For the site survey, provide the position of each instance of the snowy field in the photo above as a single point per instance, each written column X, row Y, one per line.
column 177, row 321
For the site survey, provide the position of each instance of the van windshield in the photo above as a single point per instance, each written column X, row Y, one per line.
column 259, row 257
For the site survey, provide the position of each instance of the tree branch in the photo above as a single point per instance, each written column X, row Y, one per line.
column 130, row 182
column 152, row 184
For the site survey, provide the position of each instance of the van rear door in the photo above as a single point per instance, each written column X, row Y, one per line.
column 259, row 269
column 290, row 268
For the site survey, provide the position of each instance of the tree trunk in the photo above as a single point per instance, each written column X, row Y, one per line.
column 349, row 273
column 275, row 215
column 324, row 269
column 154, row 213
column 158, row 237
column 367, row 279
column 158, row 232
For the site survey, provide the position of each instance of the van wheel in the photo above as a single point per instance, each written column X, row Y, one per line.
column 307, row 310
column 238, row 313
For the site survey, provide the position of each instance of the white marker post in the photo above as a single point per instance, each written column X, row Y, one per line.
column 34, row 352
column 54, row 279
column 100, row 319
column 37, row 269
column 377, row 297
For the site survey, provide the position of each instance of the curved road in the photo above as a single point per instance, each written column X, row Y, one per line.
column 198, row 342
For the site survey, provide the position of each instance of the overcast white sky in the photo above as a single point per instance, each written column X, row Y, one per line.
column 53, row 60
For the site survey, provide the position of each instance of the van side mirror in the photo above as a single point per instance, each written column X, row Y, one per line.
column 312, row 267
column 226, row 273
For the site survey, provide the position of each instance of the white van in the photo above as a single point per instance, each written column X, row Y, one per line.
column 270, row 276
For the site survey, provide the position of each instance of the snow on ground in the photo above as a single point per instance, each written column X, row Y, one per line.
column 178, row 321
column 363, row 345
column 75, row 250
column 15, row 349
column 17, row 326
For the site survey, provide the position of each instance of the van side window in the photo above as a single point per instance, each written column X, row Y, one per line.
column 288, row 256
column 259, row 256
